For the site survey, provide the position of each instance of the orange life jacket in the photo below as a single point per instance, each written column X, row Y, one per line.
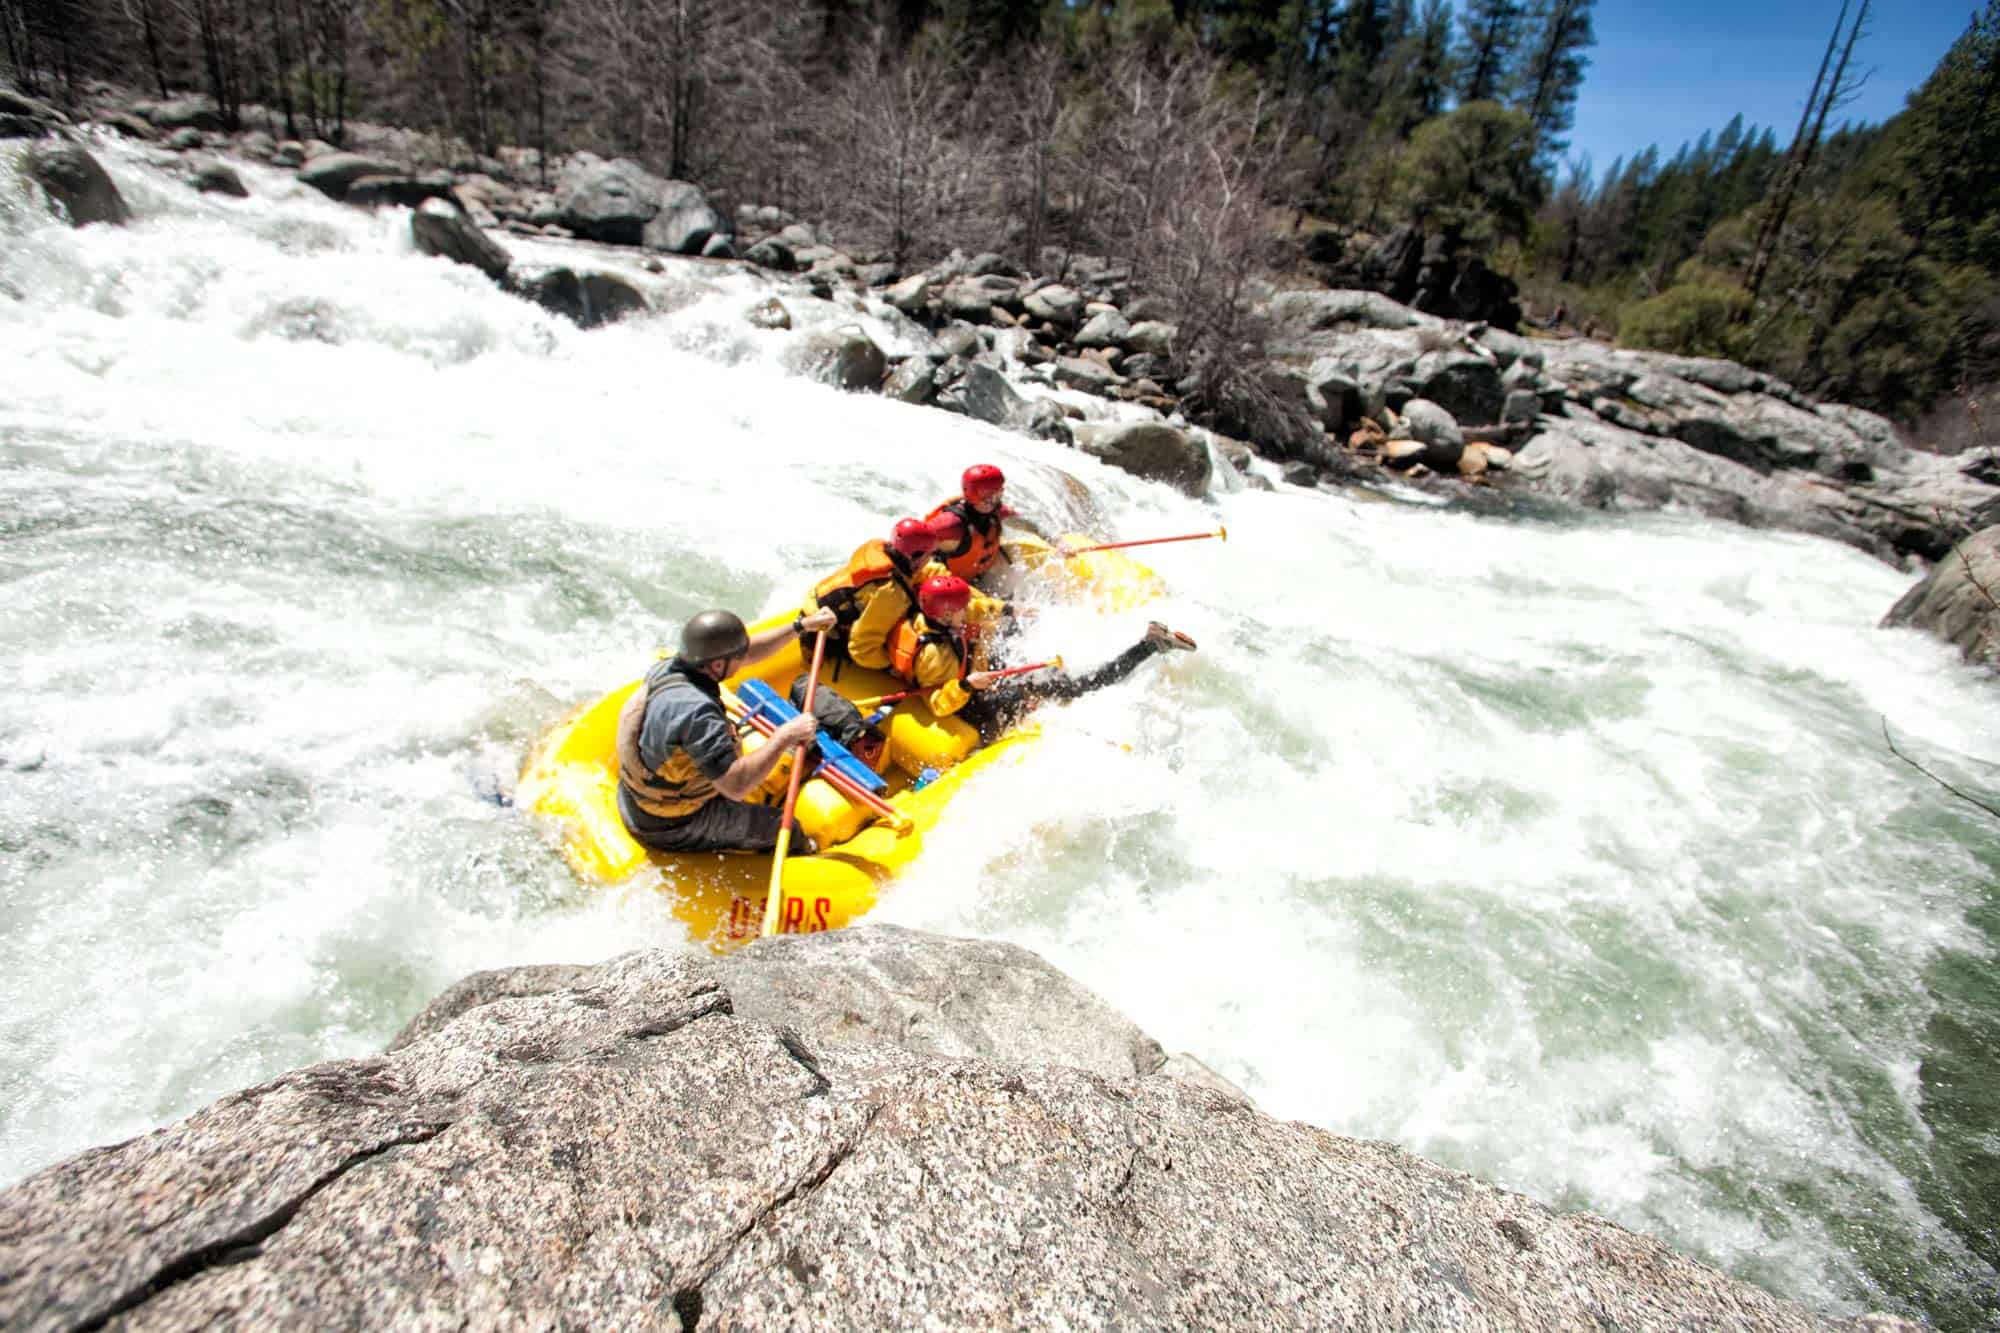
column 840, row 592
column 908, row 641
column 982, row 539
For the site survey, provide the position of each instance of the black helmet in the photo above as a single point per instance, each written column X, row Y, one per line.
column 714, row 634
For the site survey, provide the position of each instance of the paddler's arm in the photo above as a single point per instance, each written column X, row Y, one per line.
column 868, row 637
column 937, row 671
column 767, row 641
column 747, row 774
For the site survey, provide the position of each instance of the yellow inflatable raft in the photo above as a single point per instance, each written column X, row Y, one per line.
column 571, row 779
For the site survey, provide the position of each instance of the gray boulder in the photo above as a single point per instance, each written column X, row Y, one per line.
column 399, row 191
column 1317, row 311
column 1058, row 305
column 901, row 987
column 589, row 300
column 332, row 173
column 1153, row 337
column 75, row 182
column 686, row 224
column 1082, row 372
column 1959, row 600
column 912, row 381
column 1466, row 385
column 718, row 246
column 911, row 294
column 958, row 339
column 609, row 201
column 621, row 203
column 772, row 253
column 439, row 229
column 1107, row 328
column 1150, row 449
column 1521, row 405
column 128, row 125
column 983, row 393
column 638, row 1146
column 219, row 178
column 186, row 141
column 183, row 113
column 845, row 358
column 24, row 117
column 1437, row 430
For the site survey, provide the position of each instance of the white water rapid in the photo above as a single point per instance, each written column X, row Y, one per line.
column 1563, row 851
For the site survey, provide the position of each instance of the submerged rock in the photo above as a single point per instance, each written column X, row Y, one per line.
column 589, row 300
column 820, row 1132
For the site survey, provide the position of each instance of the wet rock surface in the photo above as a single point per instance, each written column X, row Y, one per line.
column 663, row 1141
column 1959, row 600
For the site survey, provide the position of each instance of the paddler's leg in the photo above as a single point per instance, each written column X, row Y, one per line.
column 721, row 825
column 994, row 710
column 840, row 719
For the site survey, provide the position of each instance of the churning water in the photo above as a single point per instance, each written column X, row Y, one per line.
column 1567, row 852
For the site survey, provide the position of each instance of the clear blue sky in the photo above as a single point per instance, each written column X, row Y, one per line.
column 1665, row 70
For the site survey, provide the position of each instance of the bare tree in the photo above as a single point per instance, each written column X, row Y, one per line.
column 1825, row 96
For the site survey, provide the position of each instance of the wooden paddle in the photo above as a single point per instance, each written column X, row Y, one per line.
column 775, row 896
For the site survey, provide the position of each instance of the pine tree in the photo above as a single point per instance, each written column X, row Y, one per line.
column 1490, row 37
column 1552, row 68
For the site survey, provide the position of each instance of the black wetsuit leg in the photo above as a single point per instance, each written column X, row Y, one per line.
column 838, row 717
column 995, row 710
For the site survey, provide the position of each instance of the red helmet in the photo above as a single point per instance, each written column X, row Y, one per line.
column 913, row 538
column 944, row 595
column 949, row 529
column 982, row 482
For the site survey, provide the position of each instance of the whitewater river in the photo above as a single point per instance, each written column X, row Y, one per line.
column 1566, row 852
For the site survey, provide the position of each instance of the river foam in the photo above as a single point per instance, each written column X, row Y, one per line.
column 1567, row 852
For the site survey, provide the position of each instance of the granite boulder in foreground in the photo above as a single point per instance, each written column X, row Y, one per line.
column 632, row 1145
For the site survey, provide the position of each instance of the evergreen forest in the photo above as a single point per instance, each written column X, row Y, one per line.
column 1208, row 144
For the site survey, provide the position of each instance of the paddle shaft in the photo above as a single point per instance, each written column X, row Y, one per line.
column 775, row 896
column 1222, row 533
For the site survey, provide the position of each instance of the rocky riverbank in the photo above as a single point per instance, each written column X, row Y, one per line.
column 1079, row 354
column 873, row 1128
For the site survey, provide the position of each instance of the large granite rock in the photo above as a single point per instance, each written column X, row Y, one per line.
column 439, row 229
column 1150, row 449
column 74, row 182
column 621, row 203
column 588, row 300
column 636, row 1145
column 984, row 394
column 24, row 117
column 845, row 358
column 1959, row 600
column 332, row 173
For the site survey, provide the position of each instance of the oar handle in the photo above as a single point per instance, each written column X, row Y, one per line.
column 775, row 895
column 1221, row 534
